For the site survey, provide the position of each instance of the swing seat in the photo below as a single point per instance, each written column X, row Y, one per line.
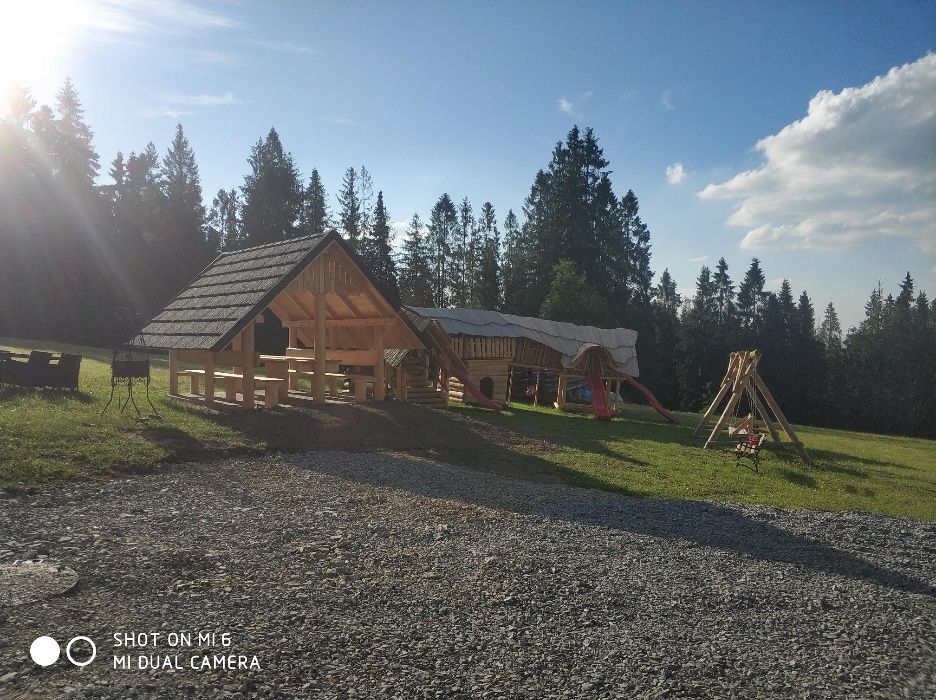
column 749, row 448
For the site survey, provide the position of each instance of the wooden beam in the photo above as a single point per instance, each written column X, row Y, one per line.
column 343, row 323
column 561, row 392
column 247, row 357
column 321, row 352
column 174, row 372
column 380, row 381
column 294, row 376
column 209, row 366
column 711, row 409
column 765, row 417
column 225, row 357
column 784, row 423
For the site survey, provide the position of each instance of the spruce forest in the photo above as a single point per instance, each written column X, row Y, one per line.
column 88, row 252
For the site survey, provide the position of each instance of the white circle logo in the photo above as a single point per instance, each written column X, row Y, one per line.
column 44, row 651
column 80, row 638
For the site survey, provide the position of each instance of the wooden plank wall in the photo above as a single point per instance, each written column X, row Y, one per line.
column 477, row 347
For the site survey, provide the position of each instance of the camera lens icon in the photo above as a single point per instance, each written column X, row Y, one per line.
column 45, row 651
column 71, row 643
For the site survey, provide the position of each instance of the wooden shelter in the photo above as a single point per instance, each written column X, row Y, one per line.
column 318, row 289
column 742, row 381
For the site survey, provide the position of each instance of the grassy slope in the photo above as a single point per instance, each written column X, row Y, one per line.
column 642, row 455
column 47, row 434
column 53, row 434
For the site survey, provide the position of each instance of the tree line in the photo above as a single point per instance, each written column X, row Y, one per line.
column 88, row 262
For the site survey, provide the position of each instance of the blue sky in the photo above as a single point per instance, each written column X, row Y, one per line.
column 470, row 97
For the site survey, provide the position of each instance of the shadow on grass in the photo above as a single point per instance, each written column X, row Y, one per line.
column 53, row 396
column 798, row 478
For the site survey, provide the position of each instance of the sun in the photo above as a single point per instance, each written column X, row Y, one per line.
column 34, row 37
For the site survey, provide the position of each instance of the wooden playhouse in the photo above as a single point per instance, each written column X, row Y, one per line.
column 495, row 348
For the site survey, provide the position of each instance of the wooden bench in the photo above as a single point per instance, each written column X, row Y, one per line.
column 270, row 385
column 331, row 378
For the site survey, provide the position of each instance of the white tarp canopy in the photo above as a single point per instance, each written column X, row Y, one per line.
column 566, row 338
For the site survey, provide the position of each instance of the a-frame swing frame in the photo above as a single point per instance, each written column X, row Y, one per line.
column 740, row 379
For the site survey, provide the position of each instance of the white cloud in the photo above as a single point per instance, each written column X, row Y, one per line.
column 675, row 173
column 203, row 100
column 139, row 16
column 286, row 47
column 666, row 99
column 166, row 112
column 858, row 166
column 572, row 107
column 341, row 121
column 700, row 259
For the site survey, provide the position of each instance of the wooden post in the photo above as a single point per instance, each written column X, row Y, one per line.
column 784, row 423
column 321, row 345
column 209, row 366
column 247, row 386
column 293, row 343
column 174, row 372
column 380, row 377
column 445, row 388
column 561, row 392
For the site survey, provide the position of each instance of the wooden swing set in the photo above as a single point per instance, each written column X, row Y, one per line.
column 741, row 380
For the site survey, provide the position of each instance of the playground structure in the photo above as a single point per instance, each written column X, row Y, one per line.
column 495, row 348
column 742, row 381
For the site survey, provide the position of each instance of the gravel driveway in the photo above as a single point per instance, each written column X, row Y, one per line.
column 388, row 575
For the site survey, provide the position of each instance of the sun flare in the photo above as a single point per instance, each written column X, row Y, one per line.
column 34, row 35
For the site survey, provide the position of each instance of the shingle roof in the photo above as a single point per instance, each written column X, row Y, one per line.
column 230, row 292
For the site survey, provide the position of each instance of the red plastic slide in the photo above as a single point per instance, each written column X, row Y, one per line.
column 599, row 396
column 470, row 387
column 653, row 400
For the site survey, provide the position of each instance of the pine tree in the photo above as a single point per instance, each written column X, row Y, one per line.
column 637, row 250
column 380, row 260
column 365, row 196
column 573, row 214
column 661, row 374
column 464, row 266
column 184, row 232
column 725, row 293
column 487, row 288
column 807, row 370
column 700, row 364
column 516, row 270
column 74, row 155
column 442, row 224
column 415, row 266
column 272, row 193
column 349, row 208
column 315, row 218
column 224, row 222
column 751, row 298
column 572, row 299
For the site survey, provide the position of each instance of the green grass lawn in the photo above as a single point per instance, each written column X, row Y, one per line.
column 59, row 434
column 54, row 434
column 642, row 455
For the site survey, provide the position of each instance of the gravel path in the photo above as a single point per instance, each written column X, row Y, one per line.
column 387, row 575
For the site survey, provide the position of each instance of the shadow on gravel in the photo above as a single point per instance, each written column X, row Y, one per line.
column 707, row 524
